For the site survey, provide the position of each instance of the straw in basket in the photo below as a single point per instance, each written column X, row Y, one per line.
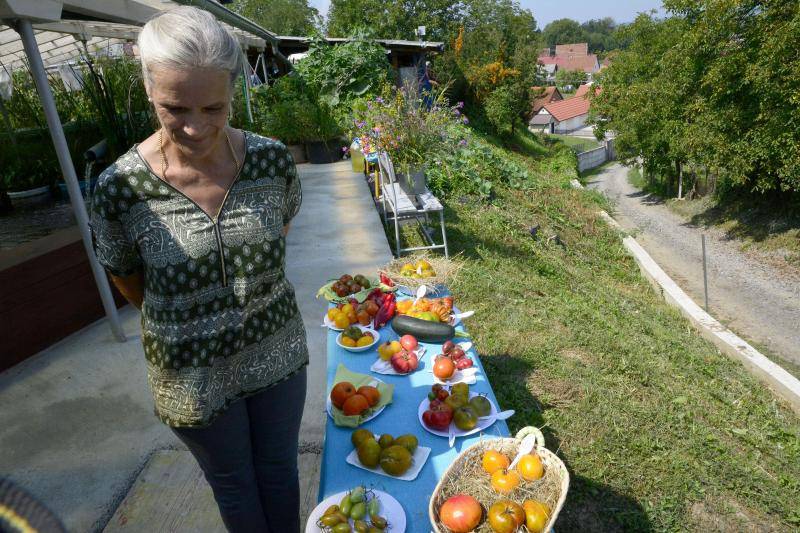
column 466, row 476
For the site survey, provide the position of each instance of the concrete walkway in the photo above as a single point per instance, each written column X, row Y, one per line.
column 77, row 427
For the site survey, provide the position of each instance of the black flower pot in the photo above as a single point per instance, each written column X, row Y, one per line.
column 320, row 153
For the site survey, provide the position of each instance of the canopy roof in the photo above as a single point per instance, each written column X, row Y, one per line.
column 105, row 25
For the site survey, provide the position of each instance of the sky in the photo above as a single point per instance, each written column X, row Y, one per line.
column 546, row 11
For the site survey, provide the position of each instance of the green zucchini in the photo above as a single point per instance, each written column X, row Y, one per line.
column 423, row 330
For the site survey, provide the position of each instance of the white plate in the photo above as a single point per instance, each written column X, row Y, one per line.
column 329, row 406
column 468, row 376
column 385, row 367
column 482, row 424
column 376, row 338
column 391, row 510
column 418, row 461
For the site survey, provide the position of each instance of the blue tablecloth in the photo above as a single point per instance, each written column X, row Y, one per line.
column 398, row 418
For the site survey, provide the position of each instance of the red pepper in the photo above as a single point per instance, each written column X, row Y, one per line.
column 386, row 280
column 387, row 310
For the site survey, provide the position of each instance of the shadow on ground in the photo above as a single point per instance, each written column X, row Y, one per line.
column 591, row 506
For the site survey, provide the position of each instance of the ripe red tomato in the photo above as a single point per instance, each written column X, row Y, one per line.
column 460, row 513
column 404, row 362
column 506, row 516
column 409, row 342
column 438, row 416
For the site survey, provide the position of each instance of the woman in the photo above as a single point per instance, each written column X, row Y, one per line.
column 191, row 225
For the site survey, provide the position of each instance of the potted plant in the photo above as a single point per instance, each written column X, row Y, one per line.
column 400, row 124
column 282, row 112
column 27, row 185
column 323, row 144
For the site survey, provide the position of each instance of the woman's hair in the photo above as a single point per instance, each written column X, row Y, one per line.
column 188, row 37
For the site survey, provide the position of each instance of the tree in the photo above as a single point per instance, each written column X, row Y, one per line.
column 563, row 31
column 284, row 17
column 395, row 20
column 570, row 77
column 715, row 84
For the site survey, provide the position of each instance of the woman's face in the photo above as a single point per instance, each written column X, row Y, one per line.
column 192, row 106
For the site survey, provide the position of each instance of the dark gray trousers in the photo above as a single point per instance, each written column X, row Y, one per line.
column 249, row 457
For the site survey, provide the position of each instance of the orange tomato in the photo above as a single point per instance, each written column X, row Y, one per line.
column 504, row 481
column 347, row 341
column 444, row 368
column 536, row 515
column 493, row 461
column 355, row 405
column 372, row 394
column 341, row 392
column 530, row 467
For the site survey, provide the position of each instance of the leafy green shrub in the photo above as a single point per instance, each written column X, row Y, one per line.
column 500, row 109
column 475, row 168
column 343, row 72
column 283, row 110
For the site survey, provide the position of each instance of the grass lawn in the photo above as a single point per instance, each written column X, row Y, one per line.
column 660, row 431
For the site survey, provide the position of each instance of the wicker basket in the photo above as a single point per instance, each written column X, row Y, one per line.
column 466, row 475
column 446, row 270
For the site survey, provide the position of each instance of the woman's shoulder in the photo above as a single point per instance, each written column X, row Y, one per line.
column 261, row 143
column 126, row 171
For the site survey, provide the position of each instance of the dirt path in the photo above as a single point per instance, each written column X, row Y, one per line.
column 751, row 297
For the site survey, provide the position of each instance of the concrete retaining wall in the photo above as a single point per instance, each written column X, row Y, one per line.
column 598, row 156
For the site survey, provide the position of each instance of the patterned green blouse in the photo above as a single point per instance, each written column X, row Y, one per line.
column 219, row 319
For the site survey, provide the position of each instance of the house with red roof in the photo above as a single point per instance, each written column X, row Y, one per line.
column 563, row 116
column 574, row 56
column 545, row 95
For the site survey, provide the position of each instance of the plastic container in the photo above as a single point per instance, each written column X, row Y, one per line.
column 356, row 157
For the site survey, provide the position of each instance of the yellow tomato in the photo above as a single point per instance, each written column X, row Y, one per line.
column 366, row 340
column 332, row 312
column 530, row 467
column 396, row 346
column 340, row 321
column 347, row 341
column 347, row 309
column 504, row 481
column 493, row 461
column 536, row 515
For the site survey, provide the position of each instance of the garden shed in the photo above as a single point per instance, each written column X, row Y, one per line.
column 52, row 284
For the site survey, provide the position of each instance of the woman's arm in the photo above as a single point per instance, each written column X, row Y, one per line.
column 131, row 287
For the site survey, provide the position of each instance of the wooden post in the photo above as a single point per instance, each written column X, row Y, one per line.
column 680, row 179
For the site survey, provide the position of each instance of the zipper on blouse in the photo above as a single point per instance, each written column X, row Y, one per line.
column 221, row 253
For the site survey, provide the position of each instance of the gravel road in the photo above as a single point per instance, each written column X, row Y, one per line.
column 753, row 298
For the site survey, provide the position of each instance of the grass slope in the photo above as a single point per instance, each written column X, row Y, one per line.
column 660, row 431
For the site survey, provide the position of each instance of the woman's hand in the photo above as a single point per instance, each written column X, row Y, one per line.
column 131, row 287
column 286, row 229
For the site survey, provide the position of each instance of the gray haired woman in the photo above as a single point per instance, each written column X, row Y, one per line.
column 191, row 225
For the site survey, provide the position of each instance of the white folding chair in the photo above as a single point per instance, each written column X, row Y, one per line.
column 397, row 205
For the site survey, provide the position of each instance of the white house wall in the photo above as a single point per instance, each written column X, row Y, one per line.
column 571, row 124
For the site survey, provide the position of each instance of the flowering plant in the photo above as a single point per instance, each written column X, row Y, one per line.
column 412, row 130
